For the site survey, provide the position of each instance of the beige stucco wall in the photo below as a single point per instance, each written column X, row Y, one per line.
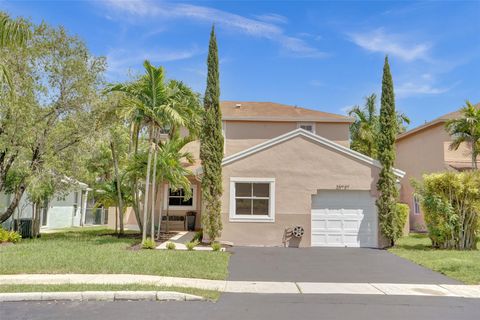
column 417, row 154
column 300, row 167
column 337, row 132
column 241, row 135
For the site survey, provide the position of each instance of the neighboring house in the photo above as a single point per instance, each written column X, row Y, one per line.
column 287, row 166
column 425, row 149
column 63, row 210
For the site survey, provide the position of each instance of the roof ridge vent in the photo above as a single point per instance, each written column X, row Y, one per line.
column 238, row 105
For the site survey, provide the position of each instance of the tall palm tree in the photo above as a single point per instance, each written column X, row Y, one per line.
column 466, row 129
column 150, row 101
column 106, row 195
column 365, row 129
column 171, row 168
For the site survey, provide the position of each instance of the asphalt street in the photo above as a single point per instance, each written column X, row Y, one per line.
column 255, row 306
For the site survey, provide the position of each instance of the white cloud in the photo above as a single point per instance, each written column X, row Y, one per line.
column 253, row 27
column 394, row 44
column 424, row 84
column 408, row 89
column 272, row 17
column 120, row 61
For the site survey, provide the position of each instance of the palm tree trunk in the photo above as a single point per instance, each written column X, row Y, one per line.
column 152, row 213
column 136, row 196
column 119, row 191
column 160, row 210
column 147, row 189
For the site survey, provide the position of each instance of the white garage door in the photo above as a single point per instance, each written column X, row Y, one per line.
column 344, row 219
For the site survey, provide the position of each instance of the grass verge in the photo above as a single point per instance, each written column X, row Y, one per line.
column 460, row 265
column 208, row 294
column 100, row 251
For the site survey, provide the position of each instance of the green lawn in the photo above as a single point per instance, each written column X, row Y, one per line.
column 208, row 294
column 99, row 251
column 460, row 265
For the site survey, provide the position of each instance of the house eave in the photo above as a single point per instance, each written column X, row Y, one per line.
column 303, row 133
column 289, row 119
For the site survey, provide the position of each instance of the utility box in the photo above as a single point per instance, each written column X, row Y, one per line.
column 191, row 218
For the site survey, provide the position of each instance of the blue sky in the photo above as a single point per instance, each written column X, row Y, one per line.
column 315, row 54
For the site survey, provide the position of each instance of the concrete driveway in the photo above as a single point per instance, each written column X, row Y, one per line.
column 357, row 265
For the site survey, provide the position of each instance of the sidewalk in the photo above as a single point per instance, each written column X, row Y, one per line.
column 437, row 290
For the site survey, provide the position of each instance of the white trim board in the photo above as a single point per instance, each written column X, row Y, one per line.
column 303, row 133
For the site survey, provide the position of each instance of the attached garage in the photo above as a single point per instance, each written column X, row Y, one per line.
column 300, row 179
column 344, row 218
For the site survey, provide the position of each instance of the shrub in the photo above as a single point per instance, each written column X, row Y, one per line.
column 216, row 246
column 401, row 215
column 149, row 244
column 198, row 237
column 190, row 245
column 171, row 246
column 451, row 205
column 9, row 236
column 14, row 237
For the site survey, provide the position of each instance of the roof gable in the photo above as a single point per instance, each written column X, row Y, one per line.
column 303, row 133
column 442, row 119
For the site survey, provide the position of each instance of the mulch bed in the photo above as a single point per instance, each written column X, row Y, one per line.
column 164, row 236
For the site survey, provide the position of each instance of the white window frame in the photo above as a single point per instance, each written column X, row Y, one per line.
column 299, row 124
column 416, row 204
column 166, row 188
column 233, row 217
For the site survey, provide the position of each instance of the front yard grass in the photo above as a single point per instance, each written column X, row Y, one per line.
column 99, row 251
column 460, row 265
column 208, row 294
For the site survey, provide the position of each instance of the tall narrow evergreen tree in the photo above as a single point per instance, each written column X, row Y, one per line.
column 211, row 146
column 386, row 155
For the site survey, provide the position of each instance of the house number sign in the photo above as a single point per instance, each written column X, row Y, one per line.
column 343, row 186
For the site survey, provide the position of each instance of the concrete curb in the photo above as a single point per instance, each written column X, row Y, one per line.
column 389, row 289
column 99, row 296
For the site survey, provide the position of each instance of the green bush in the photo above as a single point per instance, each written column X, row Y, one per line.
column 149, row 244
column 402, row 211
column 216, row 246
column 198, row 237
column 451, row 205
column 9, row 236
column 190, row 245
column 171, row 246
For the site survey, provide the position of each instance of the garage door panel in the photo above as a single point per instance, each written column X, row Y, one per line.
column 344, row 218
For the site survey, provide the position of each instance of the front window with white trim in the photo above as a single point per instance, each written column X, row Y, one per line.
column 252, row 199
column 308, row 126
column 176, row 200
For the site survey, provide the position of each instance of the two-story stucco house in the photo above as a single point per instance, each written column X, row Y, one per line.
column 425, row 149
column 287, row 166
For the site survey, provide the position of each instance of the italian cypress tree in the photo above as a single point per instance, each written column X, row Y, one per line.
column 386, row 185
column 211, row 146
